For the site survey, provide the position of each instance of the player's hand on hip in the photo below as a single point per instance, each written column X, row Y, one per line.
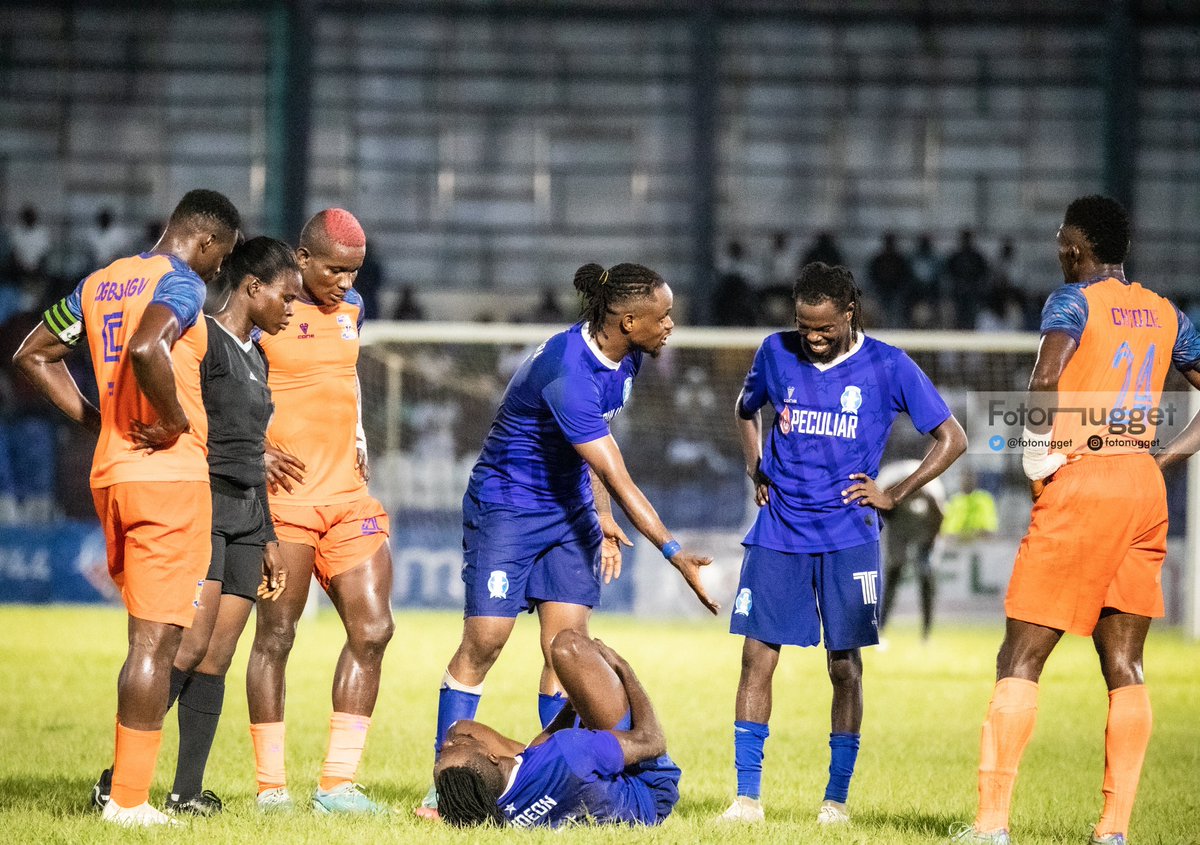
column 610, row 548
column 865, row 491
column 282, row 469
column 274, row 580
column 160, row 434
column 689, row 566
column 360, row 464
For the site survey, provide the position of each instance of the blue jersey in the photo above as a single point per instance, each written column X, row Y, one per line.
column 563, row 395
column 830, row 421
column 576, row 775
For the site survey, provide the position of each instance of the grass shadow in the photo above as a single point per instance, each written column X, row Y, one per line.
column 62, row 795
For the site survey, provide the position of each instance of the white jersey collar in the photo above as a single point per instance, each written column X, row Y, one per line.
column 828, row 365
column 512, row 777
column 595, row 347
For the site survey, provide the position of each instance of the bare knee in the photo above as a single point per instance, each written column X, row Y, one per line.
column 373, row 634
column 1121, row 668
column 568, row 645
column 273, row 640
column 845, row 670
column 189, row 657
column 758, row 662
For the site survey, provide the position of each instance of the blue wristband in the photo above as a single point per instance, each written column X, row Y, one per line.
column 670, row 549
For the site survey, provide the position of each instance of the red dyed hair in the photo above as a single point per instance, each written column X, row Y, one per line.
column 339, row 225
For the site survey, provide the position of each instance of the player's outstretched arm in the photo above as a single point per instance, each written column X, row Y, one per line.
column 1187, row 443
column 645, row 739
column 41, row 360
column 614, row 537
column 150, row 355
column 604, row 458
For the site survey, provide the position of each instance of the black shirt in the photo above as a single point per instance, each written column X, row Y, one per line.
column 233, row 380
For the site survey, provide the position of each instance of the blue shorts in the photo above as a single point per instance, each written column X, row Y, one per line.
column 514, row 558
column 784, row 597
column 661, row 778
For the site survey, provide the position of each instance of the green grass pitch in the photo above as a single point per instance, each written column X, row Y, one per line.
column 916, row 771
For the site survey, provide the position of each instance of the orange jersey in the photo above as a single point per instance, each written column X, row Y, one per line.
column 1110, row 390
column 313, row 376
column 107, row 306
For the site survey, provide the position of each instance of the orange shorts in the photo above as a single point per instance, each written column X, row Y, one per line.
column 343, row 536
column 159, row 540
column 1097, row 539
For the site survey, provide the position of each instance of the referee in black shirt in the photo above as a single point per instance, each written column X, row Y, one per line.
column 263, row 279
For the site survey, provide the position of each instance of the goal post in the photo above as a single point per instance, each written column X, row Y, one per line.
column 431, row 389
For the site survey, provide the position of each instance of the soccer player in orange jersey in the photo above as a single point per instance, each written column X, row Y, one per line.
column 325, row 520
column 141, row 316
column 1090, row 563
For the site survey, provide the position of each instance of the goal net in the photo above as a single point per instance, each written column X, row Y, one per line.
column 430, row 391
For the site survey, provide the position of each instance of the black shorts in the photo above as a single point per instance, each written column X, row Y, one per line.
column 239, row 533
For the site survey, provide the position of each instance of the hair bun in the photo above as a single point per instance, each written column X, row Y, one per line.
column 588, row 278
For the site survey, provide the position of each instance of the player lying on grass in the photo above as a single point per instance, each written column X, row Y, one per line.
column 613, row 769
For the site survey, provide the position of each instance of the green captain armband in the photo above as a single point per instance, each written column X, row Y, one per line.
column 62, row 323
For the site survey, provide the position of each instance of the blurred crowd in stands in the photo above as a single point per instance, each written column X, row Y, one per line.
column 912, row 286
column 920, row 284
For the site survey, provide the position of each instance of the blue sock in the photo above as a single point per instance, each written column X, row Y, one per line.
column 748, row 741
column 549, row 707
column 453, row 706
column 843, row 752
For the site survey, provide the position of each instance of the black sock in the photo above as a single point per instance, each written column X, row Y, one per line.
column 199, row 712
column 179, row 679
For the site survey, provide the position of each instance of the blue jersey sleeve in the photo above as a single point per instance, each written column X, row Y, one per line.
column 1066, row 310
column 1186, row 354
column 754, row 390
column 183, row 293
column 65, row 317
column 575, row 404
column 355, row 299
column 914, row 394
column 590, row 752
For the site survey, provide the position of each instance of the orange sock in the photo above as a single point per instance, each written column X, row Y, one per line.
column 268, row 755
column 347, row 738
column 1125, row 739
column 1010, row 719
column 133, row 765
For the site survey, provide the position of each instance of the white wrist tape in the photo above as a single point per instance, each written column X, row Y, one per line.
column 1037, row 460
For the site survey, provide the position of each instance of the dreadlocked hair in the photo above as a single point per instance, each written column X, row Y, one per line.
column 465, row 800
column 818, row 282
column 1104, row 223
column 601, row 289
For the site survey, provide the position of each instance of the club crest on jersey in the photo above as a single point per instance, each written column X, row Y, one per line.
column 851, row 399
column 785, row 421
column 347, row 327
column 497, row 584
column 743, row 602
column 304, row 332
column 626, row 389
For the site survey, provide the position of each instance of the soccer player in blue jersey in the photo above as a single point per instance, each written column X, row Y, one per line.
column 603, row 760
column 812, row 557
column 538, row 531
